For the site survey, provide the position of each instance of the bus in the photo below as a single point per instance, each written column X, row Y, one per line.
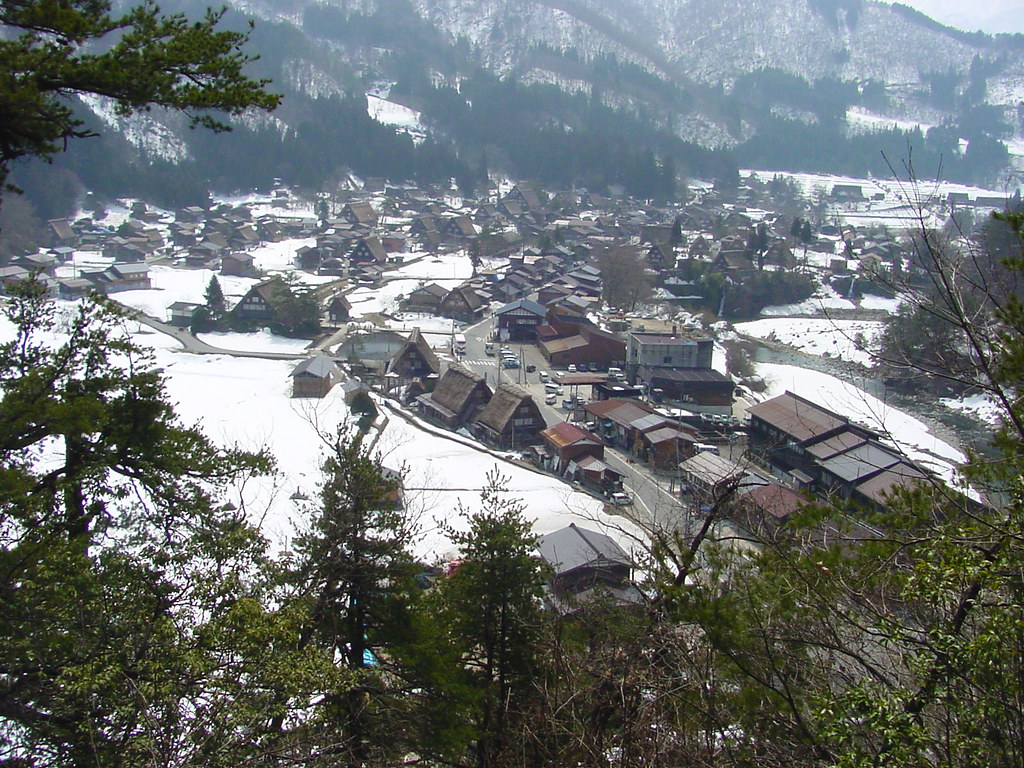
column 459, row 344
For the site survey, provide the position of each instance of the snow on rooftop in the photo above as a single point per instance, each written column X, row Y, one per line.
column 908, row 434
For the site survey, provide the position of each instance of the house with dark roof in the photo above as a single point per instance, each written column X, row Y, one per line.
column 712, row 477
column 61, row 233
column 457, row 398
column 368, row 250
column 569, row 339
column 706, row 387
column 593, row 473
column 238, row 264
column 582, row 561
column 359, row 213
column 519, row 320
column 615, row 420
column 179, row 314
column 413, row 360
column 262, row 301
column 526, row 196
column 120, row 277
column 510, row 420
column 812, row 447
column 339, row 309
column 461, row 227
column 426, row 299
column 666, row 445
column 462, row 303
column 314, row 376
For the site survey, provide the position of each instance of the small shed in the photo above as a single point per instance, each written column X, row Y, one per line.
column 314, row 377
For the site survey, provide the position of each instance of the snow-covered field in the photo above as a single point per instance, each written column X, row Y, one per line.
column 259, row 341
column 246, row 401
column 850, row 340
column 824, row 300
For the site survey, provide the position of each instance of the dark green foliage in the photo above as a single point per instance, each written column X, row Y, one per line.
column 492, row 610
column 363, row 406
column 765, row 289
column 21, row 231
column 135, row 621
column 203, row 321
column 214, row 296
column 353, row 574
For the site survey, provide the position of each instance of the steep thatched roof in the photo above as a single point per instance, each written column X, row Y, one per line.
column 417, row 341
column 456, row 387
column 503, row 405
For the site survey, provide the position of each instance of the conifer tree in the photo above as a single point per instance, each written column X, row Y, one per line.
column 137, row 626
column 214, row 296
column 491, row 604
column 353, row 572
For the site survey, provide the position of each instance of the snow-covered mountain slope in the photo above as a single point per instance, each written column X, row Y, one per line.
column 710, row 72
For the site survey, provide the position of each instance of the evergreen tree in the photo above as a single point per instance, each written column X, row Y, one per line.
column 214, row 296
column 353, row 572
column 491, row 605
column 677, row 232
column 137, row 627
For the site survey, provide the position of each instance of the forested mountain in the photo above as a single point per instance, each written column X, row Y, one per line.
column 589, row 92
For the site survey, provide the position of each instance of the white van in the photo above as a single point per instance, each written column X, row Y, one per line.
column 552, row 388
column 615, row 373
column 543, row 375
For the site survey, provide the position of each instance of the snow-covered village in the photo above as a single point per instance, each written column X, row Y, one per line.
column 512, row 384
column 552, row 337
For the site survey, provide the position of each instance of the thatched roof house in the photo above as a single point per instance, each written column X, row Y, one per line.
column 457, row 398
column 414, row 359
column 511, row 419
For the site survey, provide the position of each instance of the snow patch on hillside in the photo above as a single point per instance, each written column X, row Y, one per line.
column 141, row 130
column 401, row 117
column 850, row 340
column 861, row 120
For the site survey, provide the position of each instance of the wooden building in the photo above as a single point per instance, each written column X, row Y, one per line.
column 457, row 398
column 314, row 376
column 414, row 359
column 583, row 560
column 511, row 419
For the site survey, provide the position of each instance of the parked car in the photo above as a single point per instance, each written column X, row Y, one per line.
column 620, row 499
column 543, row 375
column 511, row 362
column 572, row 368
column 550, row 398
